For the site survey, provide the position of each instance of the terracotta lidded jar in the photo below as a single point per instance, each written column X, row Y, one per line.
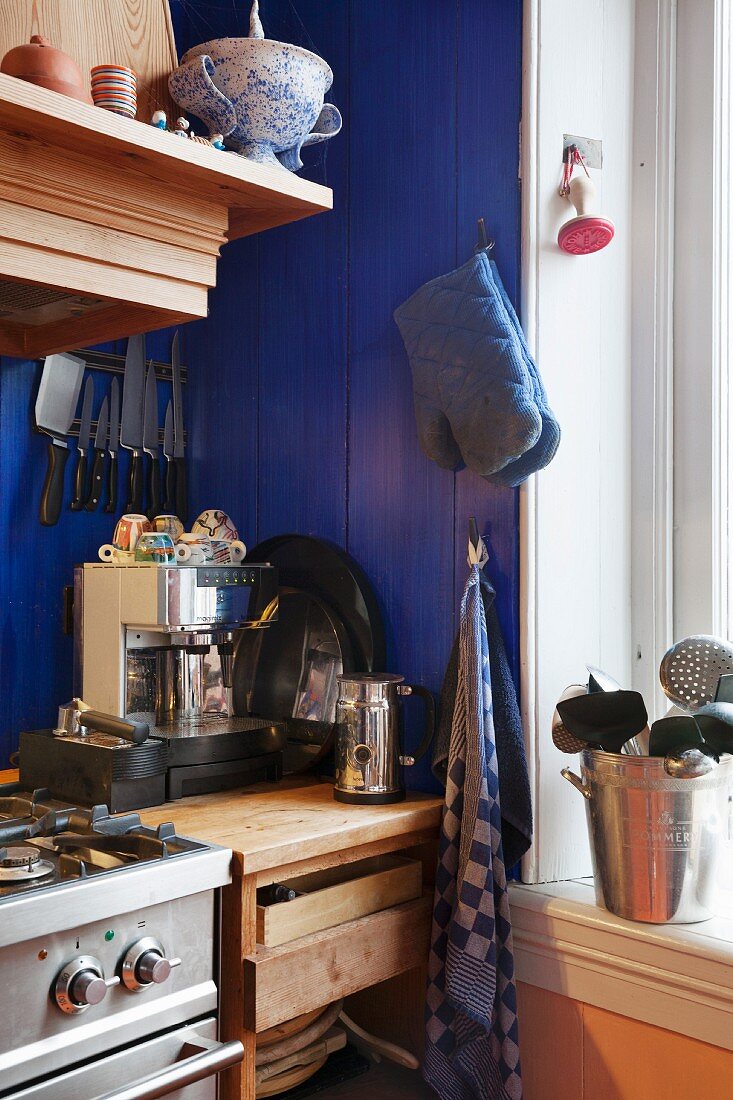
column 40, row 63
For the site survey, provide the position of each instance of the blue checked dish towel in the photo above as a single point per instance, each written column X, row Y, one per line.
column 472, row 1035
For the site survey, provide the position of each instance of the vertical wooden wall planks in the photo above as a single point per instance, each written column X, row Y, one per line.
column 488, row 107
column 300, row 405
column 402, row 232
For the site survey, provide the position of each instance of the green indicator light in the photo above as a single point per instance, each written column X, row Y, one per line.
column 109, row 935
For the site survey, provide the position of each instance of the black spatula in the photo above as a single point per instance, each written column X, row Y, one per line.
column 676, row 732
column 607, row 718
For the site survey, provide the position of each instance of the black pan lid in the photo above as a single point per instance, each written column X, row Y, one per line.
column 329, row 623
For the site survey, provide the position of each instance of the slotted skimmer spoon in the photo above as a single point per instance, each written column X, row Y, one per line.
column 690, row 670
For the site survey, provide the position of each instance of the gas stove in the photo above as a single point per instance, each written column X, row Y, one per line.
column 45, row 843
column 108, row 940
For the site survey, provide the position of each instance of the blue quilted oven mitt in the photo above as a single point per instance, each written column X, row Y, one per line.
column 478, row 398
column 543, row 452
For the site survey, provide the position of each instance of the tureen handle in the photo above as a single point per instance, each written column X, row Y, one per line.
column 191, row 87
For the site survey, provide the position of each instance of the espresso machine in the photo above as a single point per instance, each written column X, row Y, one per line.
column 155, row 645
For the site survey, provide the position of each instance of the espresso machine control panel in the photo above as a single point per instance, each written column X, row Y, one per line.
column 216, row 576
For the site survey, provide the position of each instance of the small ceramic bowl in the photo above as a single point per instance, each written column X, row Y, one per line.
column 156, row 547
column 114, row 88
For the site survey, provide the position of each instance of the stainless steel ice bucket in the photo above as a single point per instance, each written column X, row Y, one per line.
column 655, row 841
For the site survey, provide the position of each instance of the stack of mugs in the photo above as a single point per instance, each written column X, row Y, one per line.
column 114, row 88
column 162, row 541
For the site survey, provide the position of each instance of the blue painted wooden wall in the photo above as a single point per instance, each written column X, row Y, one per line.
column 303, row 418
column 300, row 410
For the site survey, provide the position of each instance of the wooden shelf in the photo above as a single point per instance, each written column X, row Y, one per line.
column 110, row 227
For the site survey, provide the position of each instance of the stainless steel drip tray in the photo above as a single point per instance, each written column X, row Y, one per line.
column 208, row 740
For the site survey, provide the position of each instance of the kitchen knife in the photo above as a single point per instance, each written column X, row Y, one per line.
column 178, row 444
column 150, row 442
column 100, row 447
column 58, row 395
column 114, row 443
column 85, row 430
column 131, row 427
column 170, row 469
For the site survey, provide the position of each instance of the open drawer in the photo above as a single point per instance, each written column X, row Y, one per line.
column 283, row 982
column 331, row 897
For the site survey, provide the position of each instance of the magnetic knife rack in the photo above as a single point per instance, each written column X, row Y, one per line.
column 115, row 364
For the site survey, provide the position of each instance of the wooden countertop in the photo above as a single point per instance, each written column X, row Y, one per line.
column 270, row 825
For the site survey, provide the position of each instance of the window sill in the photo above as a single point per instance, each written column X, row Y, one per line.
column 679, row 977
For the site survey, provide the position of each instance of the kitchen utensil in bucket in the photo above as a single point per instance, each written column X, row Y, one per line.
column 562, row 738
column 690, row 670
column 655, row 840
column 605, row 718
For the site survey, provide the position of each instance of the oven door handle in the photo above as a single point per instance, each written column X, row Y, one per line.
column 209, row 1057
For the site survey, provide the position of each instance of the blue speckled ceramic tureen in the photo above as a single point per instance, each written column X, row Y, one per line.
column 265, row 97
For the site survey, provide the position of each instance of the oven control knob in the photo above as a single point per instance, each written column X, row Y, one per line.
column 81, row 984
column 146, row 964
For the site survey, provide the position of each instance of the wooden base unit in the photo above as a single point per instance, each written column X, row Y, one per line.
column 283, row 982
column 295, row 830
column 110, row 227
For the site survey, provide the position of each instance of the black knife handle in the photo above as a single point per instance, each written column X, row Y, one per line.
column 80, row 483
column 181, row 490
column 135, row 498
column 111, row 505
column 95, row 487
column 53, row 486
column 170, row 487
column 154, row 502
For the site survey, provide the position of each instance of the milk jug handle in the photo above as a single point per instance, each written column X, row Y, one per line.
column 427, row 697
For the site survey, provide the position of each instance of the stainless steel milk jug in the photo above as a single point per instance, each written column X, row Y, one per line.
column 368, row 753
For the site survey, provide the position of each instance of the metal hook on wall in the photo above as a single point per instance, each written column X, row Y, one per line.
column 484, row 243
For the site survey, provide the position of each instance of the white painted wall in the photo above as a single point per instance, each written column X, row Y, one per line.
column 579, row 75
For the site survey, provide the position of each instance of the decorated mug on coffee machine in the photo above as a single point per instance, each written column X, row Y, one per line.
column 128, row 530
column 155, row 547
column 168, row 523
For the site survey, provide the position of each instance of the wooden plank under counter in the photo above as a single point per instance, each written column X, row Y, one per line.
column 297, row 824
column 280, row 830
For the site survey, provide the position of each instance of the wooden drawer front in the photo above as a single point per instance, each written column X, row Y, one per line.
column 339, row 894
column 283, row 982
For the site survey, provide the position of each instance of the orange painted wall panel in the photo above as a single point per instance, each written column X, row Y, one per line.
column 628, row 1060
column 573, row 1051
column 551, row 1038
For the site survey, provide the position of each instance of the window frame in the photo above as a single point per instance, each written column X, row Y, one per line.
column 680, row 493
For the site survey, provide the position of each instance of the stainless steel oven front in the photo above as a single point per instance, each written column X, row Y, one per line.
column 182, row 1064
column 124, row 1006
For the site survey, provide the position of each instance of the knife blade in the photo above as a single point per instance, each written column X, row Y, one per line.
column 100, row 448
column 150, row 442
column 58, row 395
column 170, row 469
column 131, row 426
column 113, row 447
column 85, row 431
column 178, row 442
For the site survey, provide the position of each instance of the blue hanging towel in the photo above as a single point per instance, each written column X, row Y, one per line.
column 472, row 1034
